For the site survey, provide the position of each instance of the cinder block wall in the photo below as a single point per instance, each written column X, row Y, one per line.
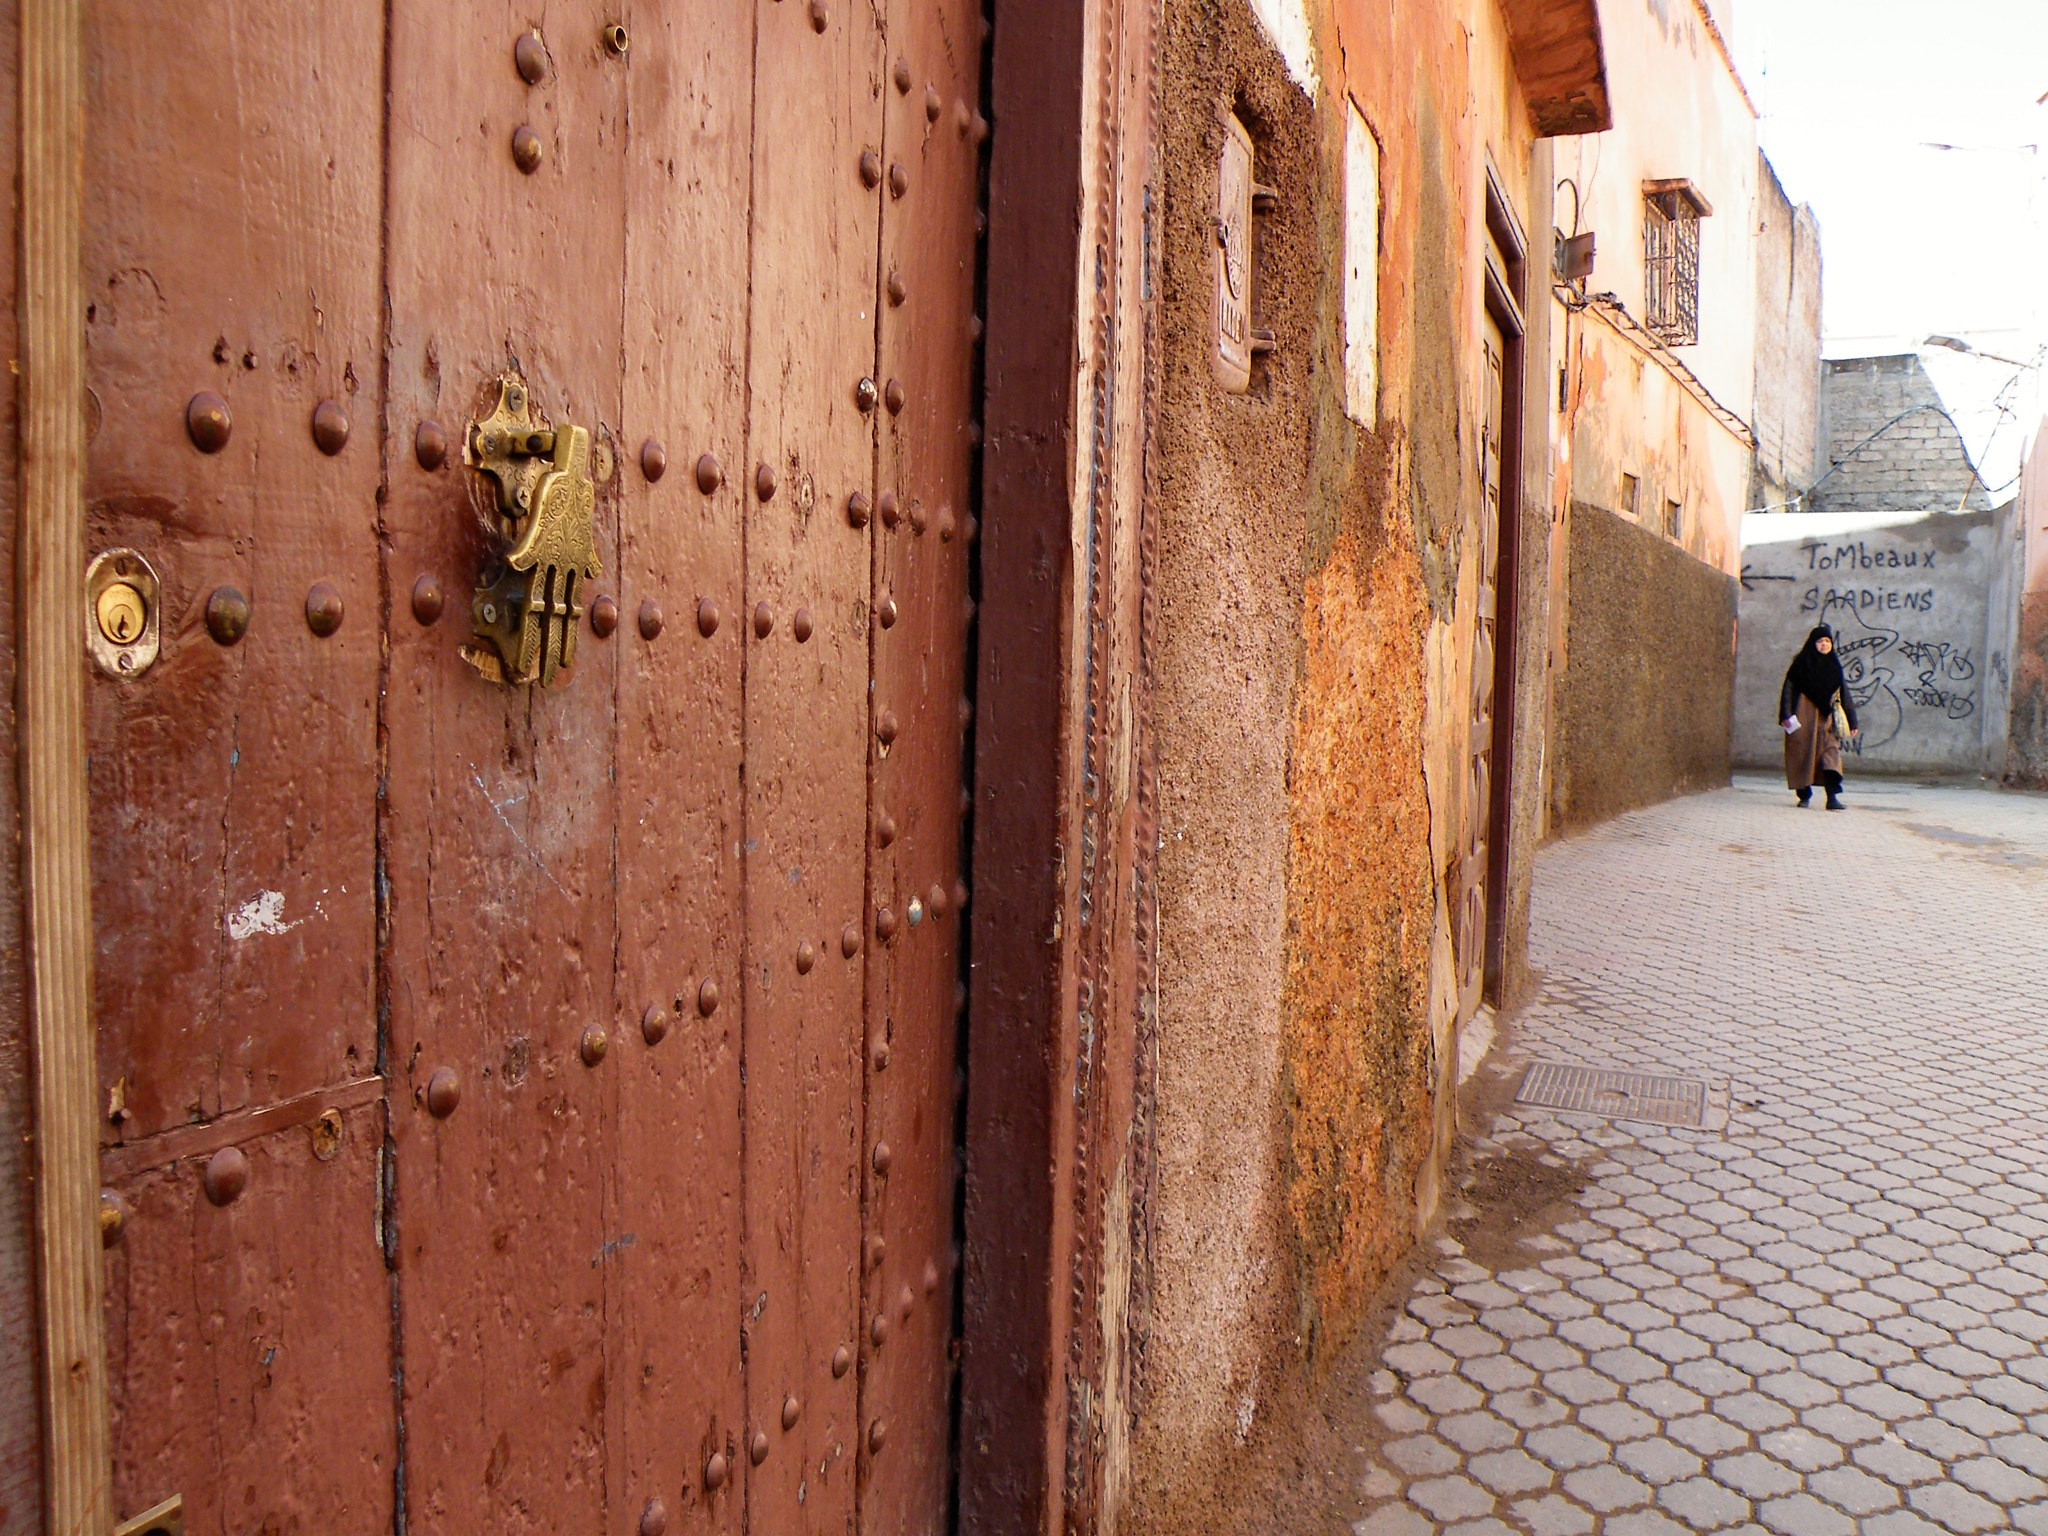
column 1644, row 704
column 1915, row 462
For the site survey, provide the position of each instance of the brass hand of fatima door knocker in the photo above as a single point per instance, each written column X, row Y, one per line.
column 530, row 604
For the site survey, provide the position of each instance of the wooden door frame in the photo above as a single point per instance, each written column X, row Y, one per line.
column 1506, row 288
column 56, row 873
column 1058, row 1046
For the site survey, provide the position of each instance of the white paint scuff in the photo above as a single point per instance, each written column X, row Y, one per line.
column 261, row 913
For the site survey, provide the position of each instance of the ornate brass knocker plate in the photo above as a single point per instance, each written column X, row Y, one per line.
column 530, row 604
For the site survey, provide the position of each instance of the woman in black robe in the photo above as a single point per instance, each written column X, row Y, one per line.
column 1806, row 704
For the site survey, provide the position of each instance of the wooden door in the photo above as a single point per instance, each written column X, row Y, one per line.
column 1475, row 860
column 535, row 1107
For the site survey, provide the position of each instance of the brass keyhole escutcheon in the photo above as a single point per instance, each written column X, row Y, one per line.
column 122, row 626
column 529, row 605
column 121, row 613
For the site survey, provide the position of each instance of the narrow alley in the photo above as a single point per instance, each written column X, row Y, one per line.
column 1823, row 1310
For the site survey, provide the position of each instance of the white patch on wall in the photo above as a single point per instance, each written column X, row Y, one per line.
column 261, row 913
column 1361, row 269
column 1286, row 24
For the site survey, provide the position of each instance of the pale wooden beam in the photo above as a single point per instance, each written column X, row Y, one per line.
column 57, row 879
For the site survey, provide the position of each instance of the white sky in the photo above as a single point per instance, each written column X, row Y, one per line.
column 1917, row 241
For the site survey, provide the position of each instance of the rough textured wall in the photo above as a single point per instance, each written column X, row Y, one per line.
column 1786, row 414
column 1890, row 444
column 1909, row 604
column 1643, row 706
column 1317, row 580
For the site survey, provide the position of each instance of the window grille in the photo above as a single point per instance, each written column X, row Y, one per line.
column 1672, row 211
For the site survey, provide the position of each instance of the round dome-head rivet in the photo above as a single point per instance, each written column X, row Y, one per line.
column 870, row 169
column 525, row 150
column 764, row 481
column 764, row 621
column 323, row 609
column 714, row 1470
column 650, row 618
column 806, row 957
column 800, row 625
column 654, row 1024
column 902, row 74
column 792, row 1410
column 227, row 615
column 653, row 459
column 654, row 1519
column 530, row 58
column 709, row 476
column 208, row 421
column 427, row 600
column 430, row 445
column 330, row 427
column 707, row 997
column 849, row 941
column 757, row 1448
column 604, row 616
column 226, row 1175
column 594, row 1045
column 857, row 510
column 707, row 617
column 444, row 1092
column 842, row 1361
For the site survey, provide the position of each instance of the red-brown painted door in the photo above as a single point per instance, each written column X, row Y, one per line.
column 529, row 1107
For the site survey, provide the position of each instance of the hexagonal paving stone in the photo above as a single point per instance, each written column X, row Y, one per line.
column 1394, row 1520
column 1446, row 1394
column 1497, row 1373
column 1803, row 1515
column 1451, row 1498
column 1530, row 1408
column 1420, row 1455
column 1997, row 1480
column 1566, row 1446
column 1753, row 1411
column 1704, row 1504
column 1755, row 1475
column 1708, row 1434
column 1554, row 1515
column 1956, row 1507
column 1581, row 1387
column 1800, row 1448
column 1657, row 1460
column 1510, row 1472
column 1853, row 1490
column 1474, row 1432
column 1546, row 1354
column 1605, row 1488
column 1897, row 1463
column 1618, row 1421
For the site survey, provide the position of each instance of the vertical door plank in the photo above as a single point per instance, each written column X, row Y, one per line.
column 811, row 343
column 674, row 1332
column 921, row 566
column 499, row 828
column 232, row 241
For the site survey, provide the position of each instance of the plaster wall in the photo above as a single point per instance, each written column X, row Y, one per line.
column 1679, row 111
column 1786, row 413
column 2026, row 758
column 1318, row 580
column 1643, row 712
column 1909, row 598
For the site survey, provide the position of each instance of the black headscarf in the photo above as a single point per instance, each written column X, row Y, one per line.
column 1816, row 676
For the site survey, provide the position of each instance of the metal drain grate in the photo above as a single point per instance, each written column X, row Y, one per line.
column 1615, row 1095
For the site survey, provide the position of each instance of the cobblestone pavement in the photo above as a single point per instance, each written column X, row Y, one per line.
column 1829, row 1315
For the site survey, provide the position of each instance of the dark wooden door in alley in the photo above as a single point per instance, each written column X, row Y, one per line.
column 531, row 1104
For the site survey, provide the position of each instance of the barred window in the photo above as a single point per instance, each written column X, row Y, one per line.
column 1672, row 211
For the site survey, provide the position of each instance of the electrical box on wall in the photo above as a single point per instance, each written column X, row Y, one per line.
column 1232, row 357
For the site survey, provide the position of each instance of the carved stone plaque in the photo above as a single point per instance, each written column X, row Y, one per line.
column 1233, row 355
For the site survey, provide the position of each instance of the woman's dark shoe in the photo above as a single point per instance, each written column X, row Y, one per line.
column 1835, row 802
column 1805, row 798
